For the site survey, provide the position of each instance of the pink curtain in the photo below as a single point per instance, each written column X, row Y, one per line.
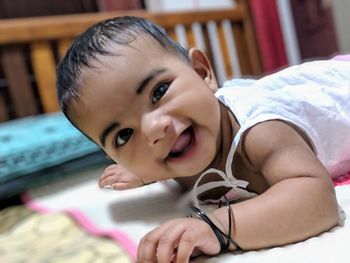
column 269, row 34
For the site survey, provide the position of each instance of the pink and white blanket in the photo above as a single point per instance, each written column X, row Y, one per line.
column 126, row 216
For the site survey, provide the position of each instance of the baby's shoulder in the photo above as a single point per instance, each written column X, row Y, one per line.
column 269, row 137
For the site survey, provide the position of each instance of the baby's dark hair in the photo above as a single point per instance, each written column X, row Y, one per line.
column 96, row 41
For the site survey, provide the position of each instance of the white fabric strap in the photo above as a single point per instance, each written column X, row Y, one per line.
column 237, row 191
column 227, row 182
column 232, row 151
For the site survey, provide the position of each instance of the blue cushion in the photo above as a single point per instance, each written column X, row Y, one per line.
column 31, row 144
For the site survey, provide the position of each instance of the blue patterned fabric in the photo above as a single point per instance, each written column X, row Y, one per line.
column 31, row 144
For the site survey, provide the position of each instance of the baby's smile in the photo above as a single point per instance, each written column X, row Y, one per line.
column 184, row 145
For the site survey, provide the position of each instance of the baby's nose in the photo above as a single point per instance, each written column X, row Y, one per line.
column 155, row 127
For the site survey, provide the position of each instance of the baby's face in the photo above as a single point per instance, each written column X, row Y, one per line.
column 150, row 111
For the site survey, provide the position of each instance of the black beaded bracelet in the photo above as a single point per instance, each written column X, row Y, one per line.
column 224, row 239
column 218, row 233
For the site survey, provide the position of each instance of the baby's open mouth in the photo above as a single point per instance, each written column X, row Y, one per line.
column 182, row 144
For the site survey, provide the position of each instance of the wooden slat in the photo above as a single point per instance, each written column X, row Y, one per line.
column 251, row 40
column 4, row 116
column 171, row 32
column 188, row 17
column 242, row 50
column 18, row 82
column 44, row 68
column 21, row 30
column 63, row 45
column 224, row 51
column 206, row 39
column 191, row 42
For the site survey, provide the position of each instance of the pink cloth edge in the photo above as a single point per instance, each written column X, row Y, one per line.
column 118, row 236
column 342, row 57
column 342, row 180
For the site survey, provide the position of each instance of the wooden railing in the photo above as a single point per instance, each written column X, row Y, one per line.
column 31, row 47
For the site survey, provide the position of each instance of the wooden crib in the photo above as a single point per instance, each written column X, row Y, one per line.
column 31, row 47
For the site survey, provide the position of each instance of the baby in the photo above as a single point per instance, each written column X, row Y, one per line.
column 265, row 148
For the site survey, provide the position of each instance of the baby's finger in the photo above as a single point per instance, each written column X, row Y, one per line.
column 147, row 249
column 105, row 182
column 112, row 176
column 112, row 167
column 169, row 242
column 186, row 246
column 104, row 178
column 110, row 180
column 121, row 186
column 110, row 173
column 111, row 170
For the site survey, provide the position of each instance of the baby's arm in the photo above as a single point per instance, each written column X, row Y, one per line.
column 299, row 204
column 118, row 178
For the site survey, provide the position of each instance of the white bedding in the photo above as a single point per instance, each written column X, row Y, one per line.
column 135, row 212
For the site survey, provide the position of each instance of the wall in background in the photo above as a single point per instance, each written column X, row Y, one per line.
column 171, row 5
column 341, row 10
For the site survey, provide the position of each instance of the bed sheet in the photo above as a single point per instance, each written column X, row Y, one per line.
column 126, row 216
column 31, row 237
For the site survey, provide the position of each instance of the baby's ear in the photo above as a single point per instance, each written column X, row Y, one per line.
column 201, row 64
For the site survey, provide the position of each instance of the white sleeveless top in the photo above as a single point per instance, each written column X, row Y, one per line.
column 314, row 96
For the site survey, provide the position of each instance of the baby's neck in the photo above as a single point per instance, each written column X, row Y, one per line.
column 229, row 127
column 228, row 130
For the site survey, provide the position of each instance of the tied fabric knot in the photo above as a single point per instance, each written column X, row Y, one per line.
column 237, row 191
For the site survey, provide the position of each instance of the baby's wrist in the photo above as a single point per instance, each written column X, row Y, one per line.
column 223, row 225
column 224, row 237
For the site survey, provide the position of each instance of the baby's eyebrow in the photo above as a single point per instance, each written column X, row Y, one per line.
column 151, row 75
column 107, row 131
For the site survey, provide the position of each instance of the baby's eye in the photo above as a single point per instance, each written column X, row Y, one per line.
column 159, row 92
column 123, row 136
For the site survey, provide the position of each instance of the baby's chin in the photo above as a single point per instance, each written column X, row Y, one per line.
column 195, row 170
column 193, row 164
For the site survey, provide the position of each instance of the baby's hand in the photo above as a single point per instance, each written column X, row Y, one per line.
column 177, row 241
column 117, row 178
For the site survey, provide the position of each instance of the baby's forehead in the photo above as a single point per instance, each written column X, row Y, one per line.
column 142, row 46
column 143, row 51
column 142, row 42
